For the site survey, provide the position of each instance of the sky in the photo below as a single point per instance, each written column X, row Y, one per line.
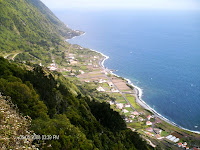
column 127, row 4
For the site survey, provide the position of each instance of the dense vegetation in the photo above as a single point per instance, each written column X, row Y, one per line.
column 58, row 107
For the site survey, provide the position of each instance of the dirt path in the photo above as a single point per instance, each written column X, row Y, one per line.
column 13, row 58
column 7, row 56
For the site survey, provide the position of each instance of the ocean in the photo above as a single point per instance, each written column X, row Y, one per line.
column 159, row 51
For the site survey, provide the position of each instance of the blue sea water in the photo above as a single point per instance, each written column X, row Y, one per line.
column 159, row 51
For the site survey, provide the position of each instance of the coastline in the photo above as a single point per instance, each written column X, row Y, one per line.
column 141, row 102
column 75, row 36
column 139, row 93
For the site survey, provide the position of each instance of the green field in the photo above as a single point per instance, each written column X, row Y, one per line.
column 164, row 133
column 121, row 101
column 131, row 99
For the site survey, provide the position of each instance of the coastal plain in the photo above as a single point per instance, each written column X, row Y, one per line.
column 85, row 68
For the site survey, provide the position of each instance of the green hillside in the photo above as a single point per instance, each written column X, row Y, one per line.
column 29, row 26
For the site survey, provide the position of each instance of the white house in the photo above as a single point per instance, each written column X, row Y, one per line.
column 52, row 66
column 119, row 105
column 111, row 102
column 148, row 123
column 100, row 89
column 71, row 57
column 127, row 105
column 110, row 84
column 135, row 113
column 102, row 81
column 81, row 71
column 149, row 117
column 157, row 131
column 125, row 111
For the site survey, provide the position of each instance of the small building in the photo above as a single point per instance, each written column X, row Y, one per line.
column 131, row 129
column 173, row 138
column 111, row 102
column 81, row 71
column 179, row 144
column 184, row 146
column 72, row 74
column 132, row 116
column 100, row 89
column 149, row 117
column 126, row 119
column 149, row 129
column 185, row 143
column 158, row 136
column 157, row 131
column 168, row 137
column 129, row 120
column 148, row 123
column 140, row 119
column 52, row 67
column 73, row 62
column 119, row 105
column 125, row 111
column 71, row 57
column 135, row 113
column 87, row 81
column 127, row 105
column 110, row 84
column 150, row 134
column 176, row 140
column 102, row 81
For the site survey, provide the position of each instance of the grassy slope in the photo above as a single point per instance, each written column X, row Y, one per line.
column 28, row 25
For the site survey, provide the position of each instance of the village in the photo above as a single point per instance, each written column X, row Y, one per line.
column 85, row 65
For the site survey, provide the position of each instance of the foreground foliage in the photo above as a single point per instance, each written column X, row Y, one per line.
column 12, row 125
column 57, row 107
